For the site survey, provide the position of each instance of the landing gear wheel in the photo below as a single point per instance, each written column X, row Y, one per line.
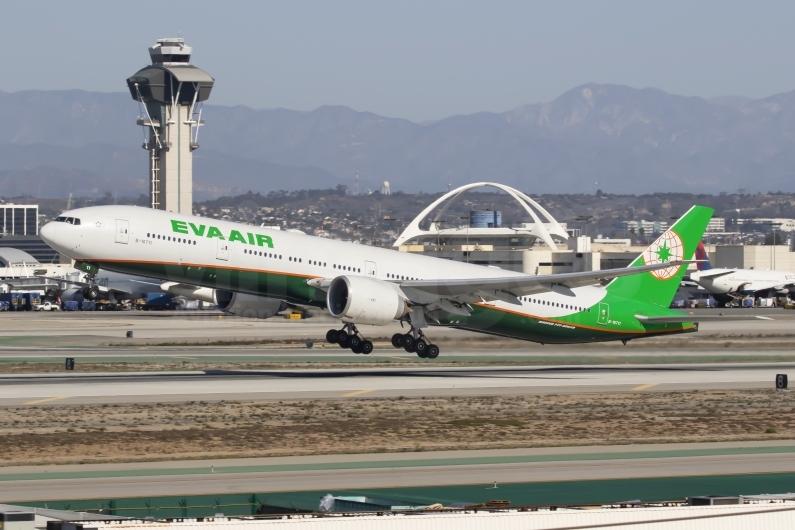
column 432, row 351
column 407, row 341
column 420, row 347
column 355, row 342
column 366, row 347
column 345, row 343
column 396, row 340
column 92, row 293
column 423, row 354
column 342, row 335
column 357, row 348
column 331, row 336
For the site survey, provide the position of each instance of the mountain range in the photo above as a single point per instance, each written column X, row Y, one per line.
column 611, row 137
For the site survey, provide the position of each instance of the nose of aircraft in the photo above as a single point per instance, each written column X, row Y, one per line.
column 48, row 233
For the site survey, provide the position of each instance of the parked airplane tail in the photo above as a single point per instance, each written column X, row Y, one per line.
column 677, row 243
column 703, row 258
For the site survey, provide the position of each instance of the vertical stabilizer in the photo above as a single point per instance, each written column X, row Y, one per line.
column 679, row 242
column 703, row 258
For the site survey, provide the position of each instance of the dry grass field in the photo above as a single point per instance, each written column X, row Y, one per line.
column 114, row 433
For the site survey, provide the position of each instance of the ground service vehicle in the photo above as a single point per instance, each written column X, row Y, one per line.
column 47, row 306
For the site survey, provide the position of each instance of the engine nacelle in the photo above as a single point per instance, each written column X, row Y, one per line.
column 362, row 300
column 205, row 294
column 247, row 305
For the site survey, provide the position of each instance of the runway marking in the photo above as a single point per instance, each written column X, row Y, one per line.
column 45, row 400
column 644, row 387
column 357, row 393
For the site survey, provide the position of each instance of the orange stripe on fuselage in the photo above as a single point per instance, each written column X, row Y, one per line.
column 581, row 326
column 183, row 264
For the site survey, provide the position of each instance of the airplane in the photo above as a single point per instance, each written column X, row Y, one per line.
column 359, row 284
column 728, row 284
column 117, row 287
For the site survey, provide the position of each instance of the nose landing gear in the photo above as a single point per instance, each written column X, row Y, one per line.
column 349, row 338
column 91, row 291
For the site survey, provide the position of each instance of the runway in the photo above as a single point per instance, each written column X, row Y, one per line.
column 391, row 471
column 81, row 330
column 143, row 387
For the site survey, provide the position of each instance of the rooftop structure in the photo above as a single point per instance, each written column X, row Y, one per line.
column 476, row 230
column 767, row 224
column 170, row 93
column 19, row 220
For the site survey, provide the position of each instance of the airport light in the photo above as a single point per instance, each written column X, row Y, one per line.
column 773, row 225
column 468, row 218
column 584, row 219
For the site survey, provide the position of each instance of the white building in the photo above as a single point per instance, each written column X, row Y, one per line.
column 646, row 227
column 767, row 224
column 716, row 224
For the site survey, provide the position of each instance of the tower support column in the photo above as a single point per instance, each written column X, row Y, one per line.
column 171, row 92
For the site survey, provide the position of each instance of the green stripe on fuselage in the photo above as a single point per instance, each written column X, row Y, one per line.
column 578, row 327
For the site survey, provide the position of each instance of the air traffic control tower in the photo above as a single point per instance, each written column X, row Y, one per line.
column 170, row 93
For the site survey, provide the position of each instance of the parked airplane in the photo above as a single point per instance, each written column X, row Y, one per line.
column 365, row 285
column 19, row 271
column 731, row 283
column 117, row 287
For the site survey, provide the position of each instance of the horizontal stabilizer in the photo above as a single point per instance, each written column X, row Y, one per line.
column 681, row 319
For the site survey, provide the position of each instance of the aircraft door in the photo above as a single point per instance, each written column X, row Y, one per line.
column 223, row 250
column 370, row 269
column 122, row 231
column 604, row 313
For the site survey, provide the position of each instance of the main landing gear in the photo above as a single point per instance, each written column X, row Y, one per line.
column 416, row 342
column 349, row 337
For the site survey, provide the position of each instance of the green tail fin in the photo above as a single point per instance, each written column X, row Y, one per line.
column 678, row 243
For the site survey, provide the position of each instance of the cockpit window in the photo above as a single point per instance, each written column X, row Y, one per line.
column 70, row 220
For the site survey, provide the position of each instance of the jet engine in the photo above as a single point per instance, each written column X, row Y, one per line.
column 247, row 305
column 362, row 300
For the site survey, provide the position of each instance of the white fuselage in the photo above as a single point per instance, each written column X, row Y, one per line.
column 149, row 237
column 743, row 281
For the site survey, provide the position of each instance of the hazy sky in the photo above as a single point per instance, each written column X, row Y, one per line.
column 416, row 60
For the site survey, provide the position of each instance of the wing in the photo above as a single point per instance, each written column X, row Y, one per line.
column 509, row 287
column 453, row 295
column 681, row 319
column 32, row 286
